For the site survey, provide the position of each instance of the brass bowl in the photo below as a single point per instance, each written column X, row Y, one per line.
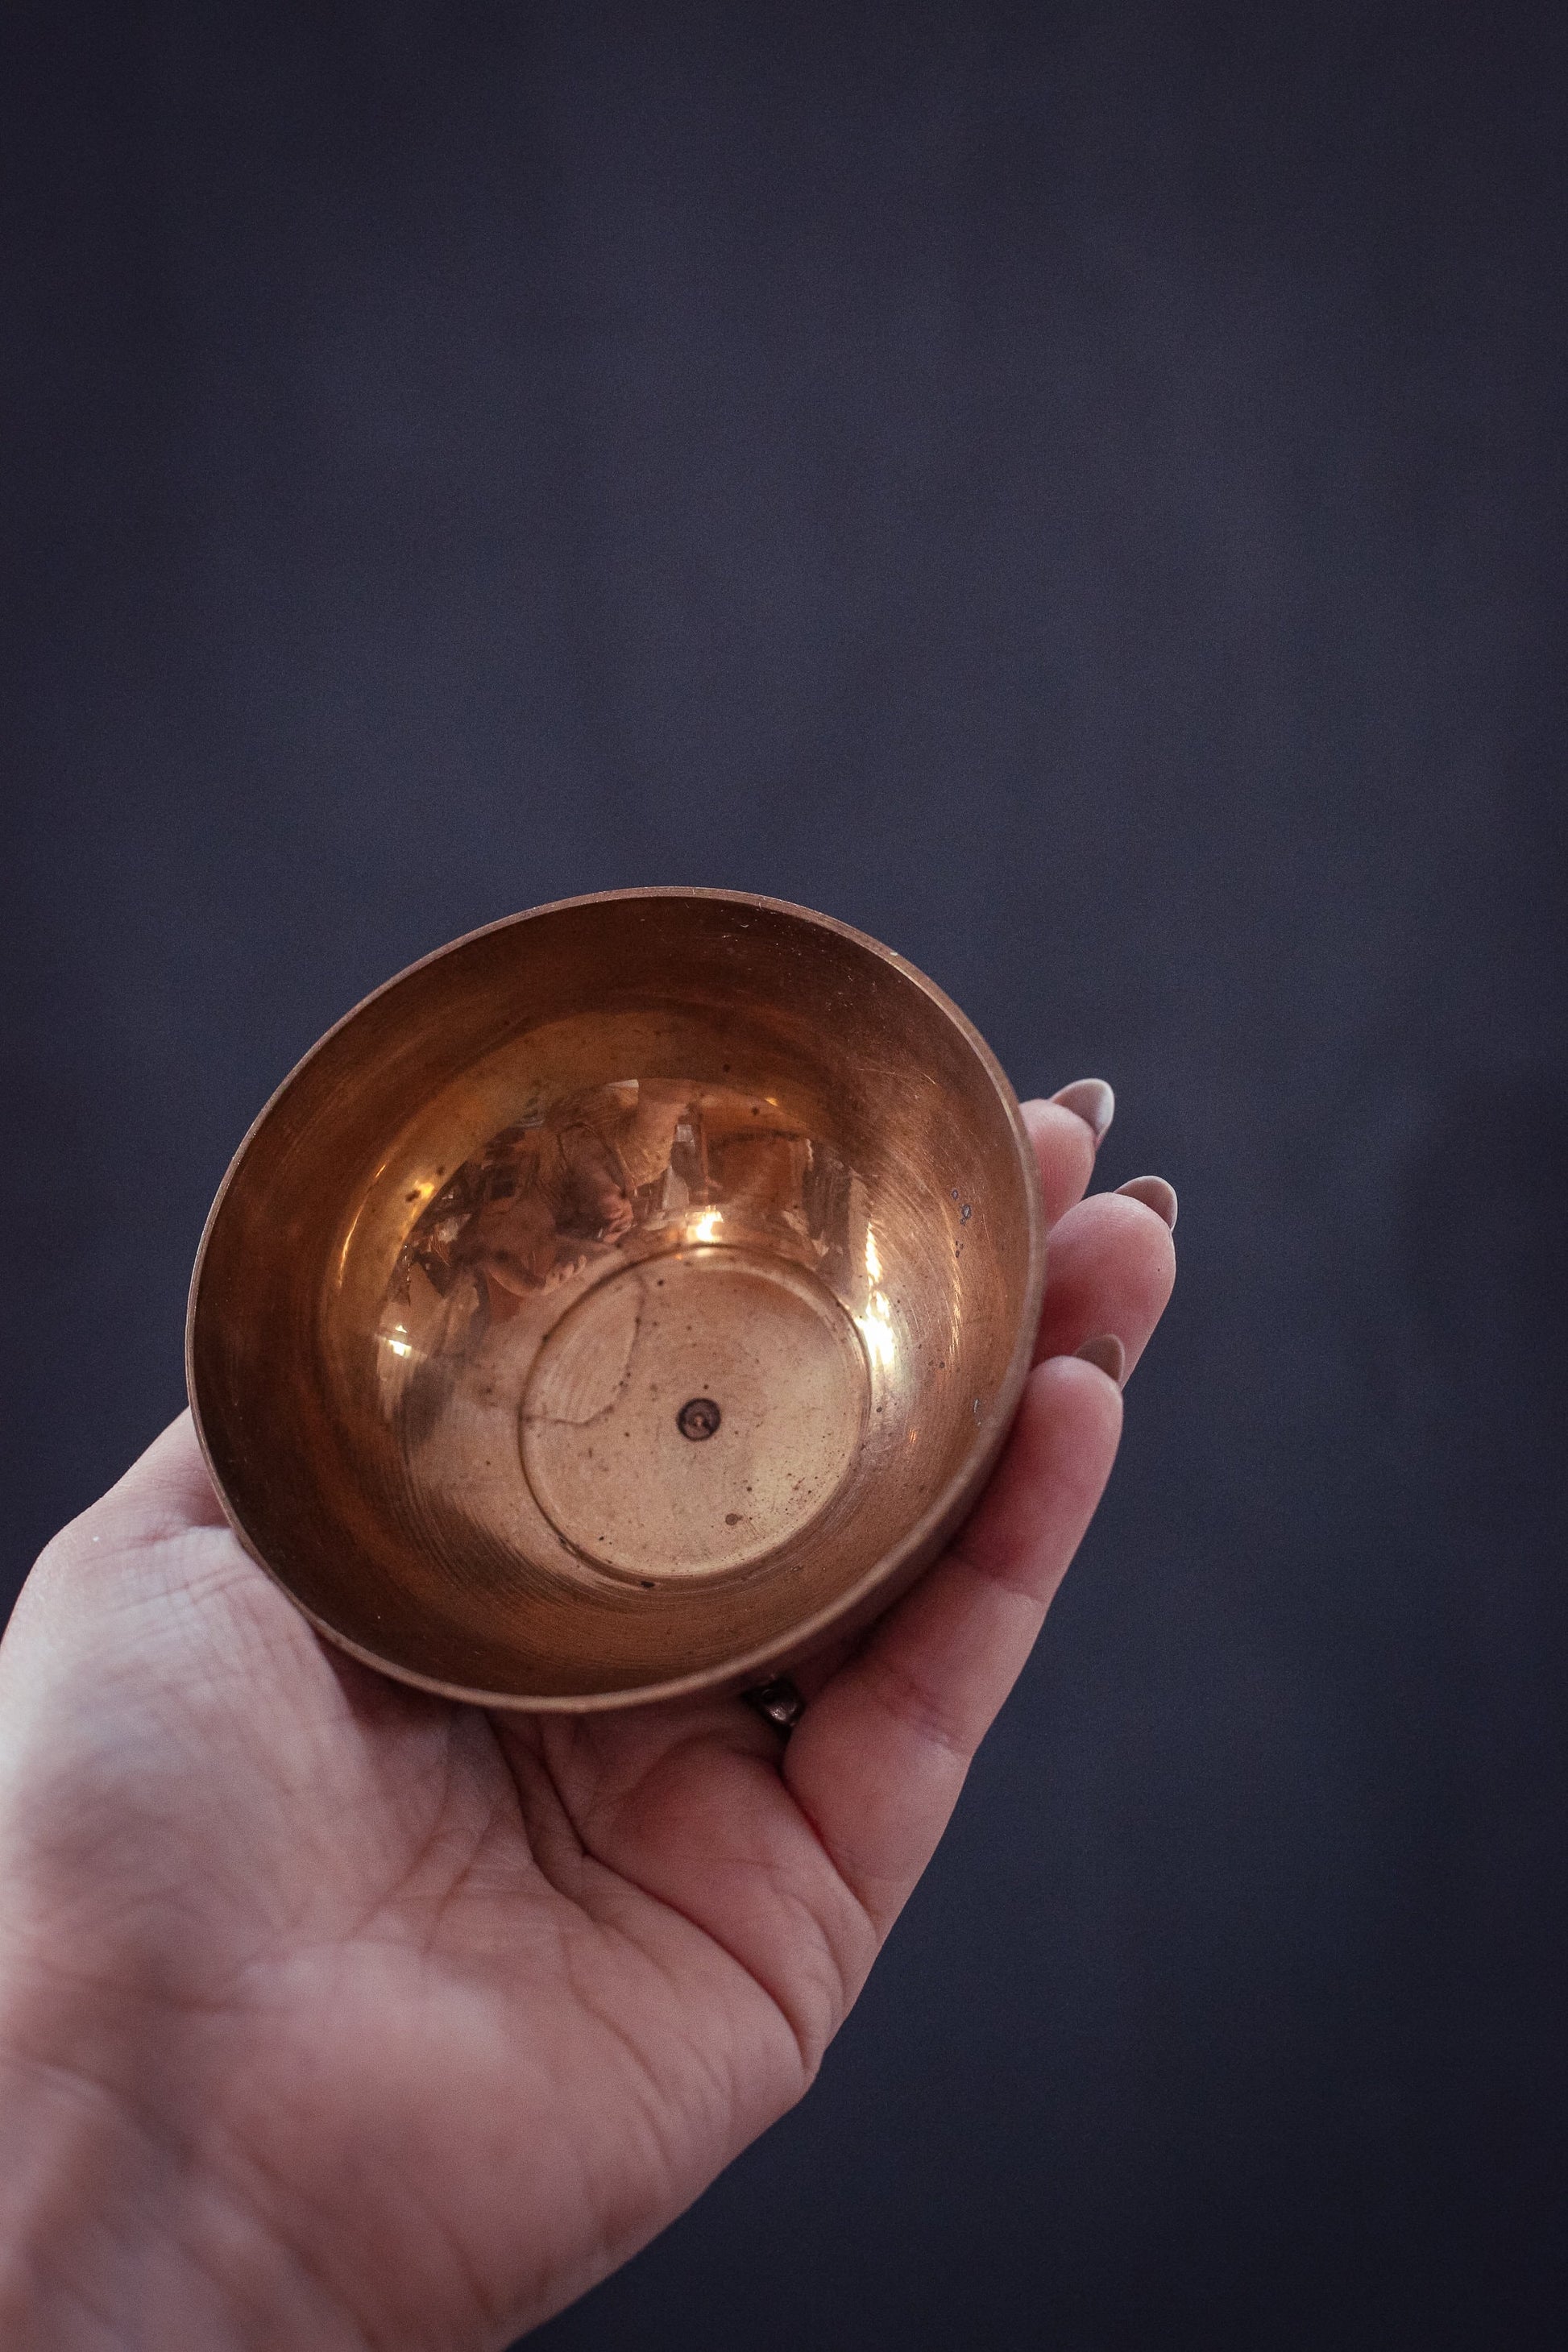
column 620, row 1302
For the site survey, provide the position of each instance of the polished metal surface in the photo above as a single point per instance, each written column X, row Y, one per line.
column 619, row 1303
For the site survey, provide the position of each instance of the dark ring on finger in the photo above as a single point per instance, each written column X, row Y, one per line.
column 778, row 1702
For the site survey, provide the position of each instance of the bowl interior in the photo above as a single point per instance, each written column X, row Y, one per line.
column 615, row 1295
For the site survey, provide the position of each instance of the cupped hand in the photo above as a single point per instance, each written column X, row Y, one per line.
column 336, row 2015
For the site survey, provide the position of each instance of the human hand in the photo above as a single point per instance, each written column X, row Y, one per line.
column 333, row 2014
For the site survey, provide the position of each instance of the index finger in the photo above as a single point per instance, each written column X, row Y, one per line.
column 1066, row 1133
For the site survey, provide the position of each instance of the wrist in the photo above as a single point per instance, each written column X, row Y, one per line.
column 116, row 2227
column 75, row 2187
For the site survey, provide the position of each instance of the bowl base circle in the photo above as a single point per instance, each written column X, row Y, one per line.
column 692, row 1414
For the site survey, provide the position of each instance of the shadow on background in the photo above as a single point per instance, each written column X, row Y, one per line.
column 1078, row 492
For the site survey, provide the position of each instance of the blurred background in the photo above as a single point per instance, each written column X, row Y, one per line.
column 1079, row 491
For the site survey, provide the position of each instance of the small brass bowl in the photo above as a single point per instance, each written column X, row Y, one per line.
column 619, row 1303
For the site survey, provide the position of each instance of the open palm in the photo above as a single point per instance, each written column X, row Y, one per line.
column 333, row 2014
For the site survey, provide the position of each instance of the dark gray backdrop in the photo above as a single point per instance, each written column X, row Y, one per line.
column 1079, row 491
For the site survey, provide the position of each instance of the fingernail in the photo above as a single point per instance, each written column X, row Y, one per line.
column 1154, row 1193
column 1092, row 1100
column 1106, row 1352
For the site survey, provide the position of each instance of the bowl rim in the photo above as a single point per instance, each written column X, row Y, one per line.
column 896, row 1566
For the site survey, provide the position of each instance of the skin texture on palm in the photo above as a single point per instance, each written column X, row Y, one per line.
column 334, row 2014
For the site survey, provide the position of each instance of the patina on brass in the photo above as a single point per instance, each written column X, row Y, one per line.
column 619, row 1303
